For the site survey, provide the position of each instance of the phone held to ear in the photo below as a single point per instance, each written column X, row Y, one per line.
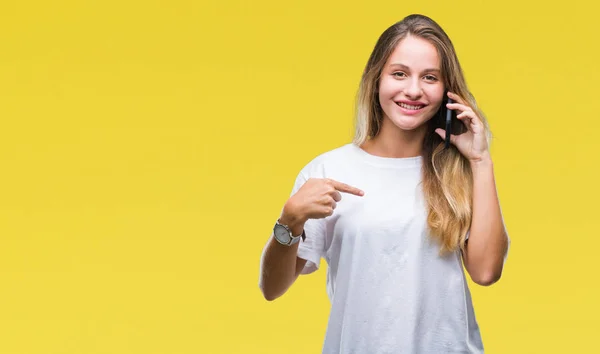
column 449, row 114
column 449, row 122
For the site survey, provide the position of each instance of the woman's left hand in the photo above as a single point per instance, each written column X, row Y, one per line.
column 473, row 143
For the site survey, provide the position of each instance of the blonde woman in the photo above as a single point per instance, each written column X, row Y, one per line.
column 396, row 213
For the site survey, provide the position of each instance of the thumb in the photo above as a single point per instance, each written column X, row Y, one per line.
column 442, row 133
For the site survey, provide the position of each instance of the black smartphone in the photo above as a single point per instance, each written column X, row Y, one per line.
column 448, row 121
column 449, row 116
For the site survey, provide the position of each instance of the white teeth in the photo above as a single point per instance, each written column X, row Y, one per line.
column 407, row 106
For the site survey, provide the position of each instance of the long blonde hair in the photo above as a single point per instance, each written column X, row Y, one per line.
column 447, row 175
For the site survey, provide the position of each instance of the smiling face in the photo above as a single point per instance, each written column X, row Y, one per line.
column 411, row 88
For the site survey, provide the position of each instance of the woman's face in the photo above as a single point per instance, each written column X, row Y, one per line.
column 410, row 87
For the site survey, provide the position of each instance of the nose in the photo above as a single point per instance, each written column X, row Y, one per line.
column 414, row 90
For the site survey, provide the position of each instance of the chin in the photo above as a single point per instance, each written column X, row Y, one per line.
column 409, row 123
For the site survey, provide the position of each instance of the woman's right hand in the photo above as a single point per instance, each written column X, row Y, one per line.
column 316, row 199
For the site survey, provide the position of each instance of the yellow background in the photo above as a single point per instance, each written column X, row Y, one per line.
column 147, row 148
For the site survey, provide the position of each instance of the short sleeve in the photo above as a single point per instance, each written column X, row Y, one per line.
column 312, row 249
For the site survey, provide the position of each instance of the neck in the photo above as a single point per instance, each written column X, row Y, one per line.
column 396, row 143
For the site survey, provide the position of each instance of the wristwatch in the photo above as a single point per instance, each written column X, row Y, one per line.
column 283, row 235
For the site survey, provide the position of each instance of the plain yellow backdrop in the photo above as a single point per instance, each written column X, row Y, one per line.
column 147, row 148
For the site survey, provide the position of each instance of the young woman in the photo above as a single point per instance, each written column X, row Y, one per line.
column 395, row 213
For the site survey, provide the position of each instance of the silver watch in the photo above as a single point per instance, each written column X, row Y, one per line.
column 283, row 235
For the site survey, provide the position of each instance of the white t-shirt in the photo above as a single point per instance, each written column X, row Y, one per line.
column 390, row 290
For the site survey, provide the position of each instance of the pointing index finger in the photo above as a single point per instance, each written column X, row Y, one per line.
column 343, row 187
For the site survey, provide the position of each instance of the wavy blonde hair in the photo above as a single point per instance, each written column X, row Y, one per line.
column 447, row 175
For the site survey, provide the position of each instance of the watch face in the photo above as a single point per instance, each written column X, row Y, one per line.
column 282, row 234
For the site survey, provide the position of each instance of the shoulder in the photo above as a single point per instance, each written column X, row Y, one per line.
column 318, row 165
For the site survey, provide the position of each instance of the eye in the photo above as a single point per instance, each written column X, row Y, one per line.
column 430, row 78
column 399, row 74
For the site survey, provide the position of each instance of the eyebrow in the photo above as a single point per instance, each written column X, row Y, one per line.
column 404, row 67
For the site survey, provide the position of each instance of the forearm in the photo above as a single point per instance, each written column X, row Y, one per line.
column 488, row 241
column 279, row 263
column 278, row 268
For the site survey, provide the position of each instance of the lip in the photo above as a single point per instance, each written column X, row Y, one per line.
column 410, row 112
column 412, row 103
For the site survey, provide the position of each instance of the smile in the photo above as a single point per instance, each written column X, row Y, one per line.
column 409, row 107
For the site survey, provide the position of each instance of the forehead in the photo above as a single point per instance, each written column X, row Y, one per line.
column 415, row 53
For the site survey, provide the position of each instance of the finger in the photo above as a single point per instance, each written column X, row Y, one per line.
column 328, row 211
column 336, row 196
column 459, row 106
column 442, row 133
column 343, row 187
column 469, row 118
column 456, row 98
column 466, row 117
column 333, row 204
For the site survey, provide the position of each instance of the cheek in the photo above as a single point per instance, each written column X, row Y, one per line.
column 387, row 89
column 436, row 96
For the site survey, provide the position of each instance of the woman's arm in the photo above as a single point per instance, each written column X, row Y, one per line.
column 488, row 240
